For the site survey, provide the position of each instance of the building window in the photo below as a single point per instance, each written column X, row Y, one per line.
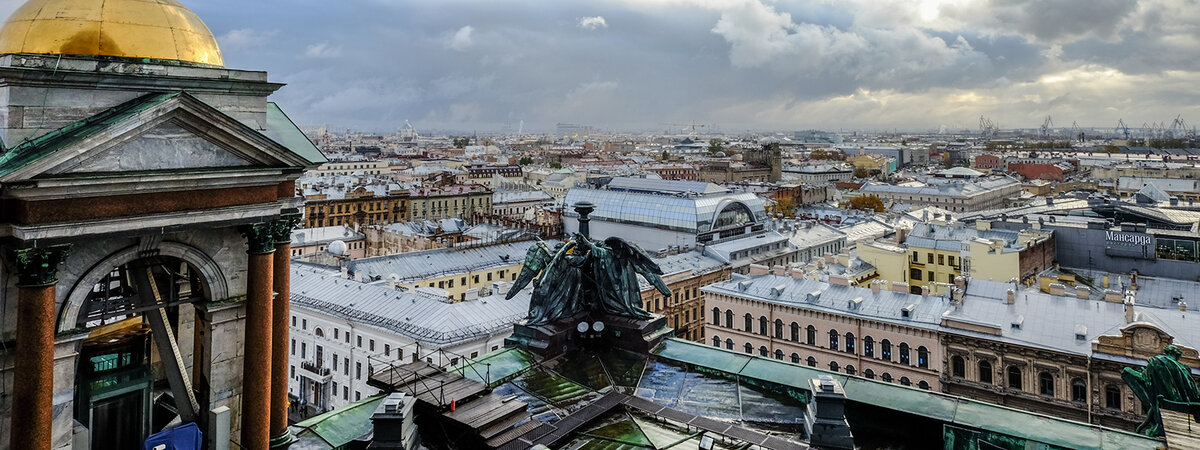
column 749, row 325
column 762, row 351
column 941, row 260
column 749, row 348
column 923, row 385
column 372, row 345
column 929, row 258
column 1046, row 384
column 335, row 362
column 850, row 369
column 346, row 366
column 728, row 344
column 293, row 347
column 359, row 338
column 850, row 342
column 922, row 357
column 779, row 354
column 833, row 366
column 716, row 316
column 762, row 325
column 1112, row 397
column 905, row 381
column 812, row 335
column 795, row 332
column 303, row 350
column 358, row 370
column 915, row 257
column 716, row 342
column 914, row 274
column 778, row 329
column 904, row 353
column 870, row 374
column 886, row 377
column 985, row 372
column 1078, row 390
column 345, row 393
column 869, row 347
column 729, row 318
column 833, row 340
column 293, row 321
column 885, row 350
column 958, row 366
column 1014, row 377
column 812, row 362
column 795, row 358
column 387, row 349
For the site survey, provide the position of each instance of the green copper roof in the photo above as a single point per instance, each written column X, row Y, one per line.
column 281, row 128
column 338, row 427
column 946, row 408
column 33, row 149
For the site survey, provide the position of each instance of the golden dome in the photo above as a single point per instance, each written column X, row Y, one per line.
column 156, row 29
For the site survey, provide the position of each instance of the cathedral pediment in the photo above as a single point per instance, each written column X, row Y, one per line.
column 156, row 133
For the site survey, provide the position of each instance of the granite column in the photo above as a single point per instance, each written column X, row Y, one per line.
column 280, row 330
column 256, row 369
column 33, row 374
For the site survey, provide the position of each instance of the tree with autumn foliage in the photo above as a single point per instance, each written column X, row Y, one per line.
column 867, row 202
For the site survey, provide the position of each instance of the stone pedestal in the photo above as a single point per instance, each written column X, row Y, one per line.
column 825, row 418
column 556, row 338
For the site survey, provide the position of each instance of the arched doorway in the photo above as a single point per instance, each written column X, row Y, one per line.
column 134, row 365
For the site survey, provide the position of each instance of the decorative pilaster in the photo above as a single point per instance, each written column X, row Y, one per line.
column 280, row 312
column 256, row 365
column 33, row 375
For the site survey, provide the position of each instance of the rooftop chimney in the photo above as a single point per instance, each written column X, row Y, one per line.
column 1112, row 296
column 1129, row 315
column 875, row 286
column 758, row 270
column 899, row 286
column 1082, row 291
column 925, row 290
column 1010, row 297
column 839, row 280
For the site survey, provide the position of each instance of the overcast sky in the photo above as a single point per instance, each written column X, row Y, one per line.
column 740, row 64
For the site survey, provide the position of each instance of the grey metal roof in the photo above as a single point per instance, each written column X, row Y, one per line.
column 813, row 235
column 416, row 266
column 951, row 238
column 883, row 305
column 420, row 317
column 324, row 235
column 945, row 187
column 665, row 186
column 694, row 214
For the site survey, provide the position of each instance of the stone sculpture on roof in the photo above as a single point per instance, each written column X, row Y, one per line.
column 586, row 275
column 1164, row 382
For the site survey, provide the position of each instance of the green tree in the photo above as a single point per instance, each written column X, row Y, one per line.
column 867, row 202
column 461, row 142
column 556, row 165
column 861, row 173
column 525, row 161
column 715, row 146
column 665, row 155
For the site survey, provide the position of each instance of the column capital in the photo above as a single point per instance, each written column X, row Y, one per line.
column 284, row 225
column 38, row 266
column 260, row 237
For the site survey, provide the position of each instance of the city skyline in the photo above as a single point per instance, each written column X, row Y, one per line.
column 753, row 64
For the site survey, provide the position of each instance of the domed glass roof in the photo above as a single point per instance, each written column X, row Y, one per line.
column 155, row 29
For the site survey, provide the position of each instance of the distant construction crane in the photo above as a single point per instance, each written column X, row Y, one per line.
column 1179, row 128
column 987, row 128
column 685, row 126
column 1076, row 132
column 1122, row 130
column 1046, row 126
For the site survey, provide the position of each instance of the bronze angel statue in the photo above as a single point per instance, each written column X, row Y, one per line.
column 584, row 275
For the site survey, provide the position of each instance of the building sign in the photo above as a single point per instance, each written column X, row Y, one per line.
column 1130, row 239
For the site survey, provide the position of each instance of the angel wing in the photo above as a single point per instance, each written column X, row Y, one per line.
column 640, row 261
column 535, row 261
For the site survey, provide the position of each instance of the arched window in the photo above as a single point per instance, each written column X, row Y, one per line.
column 812, row 335
column 729, row 318
column 922, row 357
column 716, row 342
column 795, row 332
column 833, row 340
column 869, row 347
column 1078, row 390
column 1112, row 397
column 749, row 348
column 763, row 351
column 728, row 344
column 779, row 354
column 795, row 358
column 833, row 366
column 904, row 353
column 923, row 385
column 812, row 362
column 958, row 366
column 320, row 332
column 905, row 381
column 762, row 325
column 1014, row 377
column 1046, row 384
column 885, row 350
column 749, row 325
column 870, row 374
column 778, row 329
column 717, row 316
column 985, row 372
column 886, row 377
column 850, row 369
column 850, row 342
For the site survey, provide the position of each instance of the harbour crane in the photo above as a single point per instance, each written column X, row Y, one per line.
column 1122, row 129
column 1046, row 126
column 987, row 128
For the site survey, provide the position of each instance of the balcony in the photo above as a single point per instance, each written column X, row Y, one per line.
column 315, row 372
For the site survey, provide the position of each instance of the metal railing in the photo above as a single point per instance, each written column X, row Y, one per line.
column 398, row 376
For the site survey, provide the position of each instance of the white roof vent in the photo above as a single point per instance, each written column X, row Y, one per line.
column 1016, row 323
column 1080, row 332
column 906, row 312
column 777, row 290
column 855, row 303
column 813, row 296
